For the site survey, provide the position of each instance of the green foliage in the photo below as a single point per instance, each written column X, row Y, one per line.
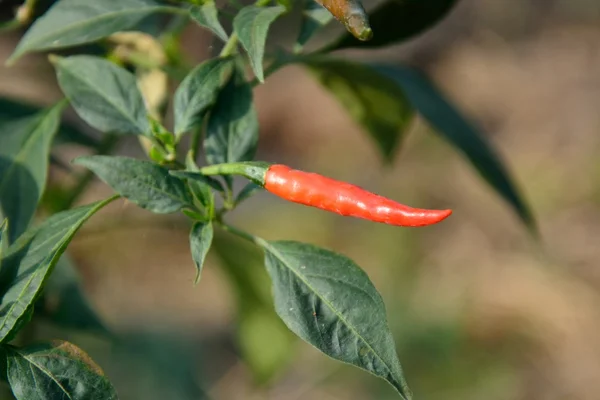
column 232, row 128
column 103, row 94
column 144, row 183
column 314, row 17
column 75, row 22
column 207, row 16
column 58, row 370
column 320, row 296
column 327, row 300
column 251, row 25
column 29, row 261
column 201, row 237
column 380, row 108
column 24, row 151
column 198, row 92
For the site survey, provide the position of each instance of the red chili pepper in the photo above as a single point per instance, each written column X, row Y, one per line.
column 345, row 199
column 325, row 193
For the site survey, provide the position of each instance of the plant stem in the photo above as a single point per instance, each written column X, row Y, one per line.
column 231, row 46
column 108, row 143
column 244, row 235
column 195, row 143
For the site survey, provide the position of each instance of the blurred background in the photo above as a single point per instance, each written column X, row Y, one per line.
column 478, row 309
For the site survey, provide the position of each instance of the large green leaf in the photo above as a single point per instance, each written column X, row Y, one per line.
column 207, row 16
column 327, row 300
column 58, row 370
column 251, row 25
column 30, row 260
column 373, row 101
column 232, row 129
column 67, row 133
column 455, row 128
column 144, row 183
column 198, row 91
column 398, row 20
column 266, row 345
column 314, row 17
column 75, row 22
column 201, row 237
column 103, row 94
column 24, row 156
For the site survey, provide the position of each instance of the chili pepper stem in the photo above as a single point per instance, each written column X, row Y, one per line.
column 244, row 235
column 254, row 171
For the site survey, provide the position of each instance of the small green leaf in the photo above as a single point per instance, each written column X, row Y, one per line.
column 251, row 25
column 455, row 128
column 207, row 16
column 103, row 94
column 144, row 183
column 58, row 370
column 373, row 101
column 201, row 237
column 328, row 301
column 266, row 345
column 232, row 129
column 314, row 17
column 24, row 156
column 247, row 192
column 395, row 21
column 75, row 22
column 198, row 92
column 30, row 260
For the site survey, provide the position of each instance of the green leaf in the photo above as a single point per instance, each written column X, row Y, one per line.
column 30, row 260
column 75, row 22
column 201, row 237
column 24, row 156
column 328, row 301
column 372, row 100
column 198, row 92
column 251, row 25
column 314, row 17
column 232, row 129
column 266, row 345
column 67, row 133
column 207, row 16
column 455, row 128
column 144, row 183
column 103, row 94
column 58, row 370
column 398, row 20
column 247, row 192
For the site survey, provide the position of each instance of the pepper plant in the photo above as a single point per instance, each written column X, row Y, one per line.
column 113, row 60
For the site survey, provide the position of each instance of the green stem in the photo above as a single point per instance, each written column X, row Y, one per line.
column 195, row 143
column 244, row 235
column 253, row 170
column 231, row 46
column 108, row 143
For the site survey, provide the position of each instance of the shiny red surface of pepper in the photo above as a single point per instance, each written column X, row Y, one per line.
column 345, row 199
